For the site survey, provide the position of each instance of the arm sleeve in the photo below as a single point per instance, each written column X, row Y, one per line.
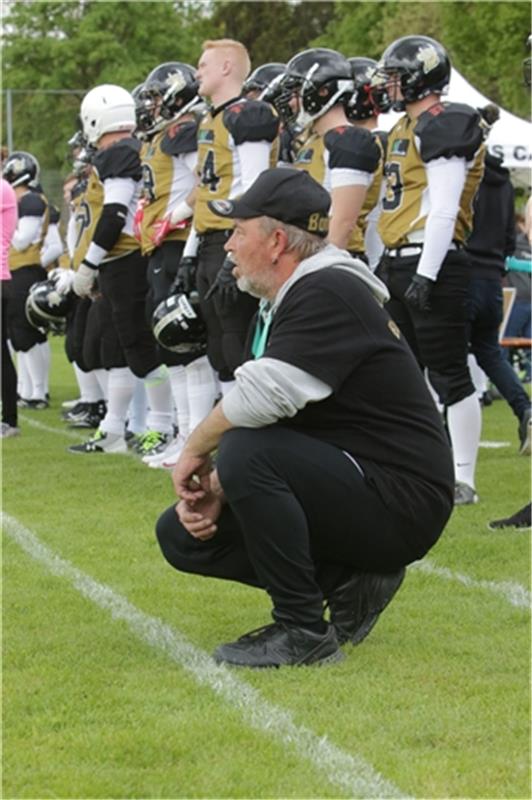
column 27, row 232
column 445, row 179
column 191, row 245
column 254, row 158
column 267, row 390
column 52, row 247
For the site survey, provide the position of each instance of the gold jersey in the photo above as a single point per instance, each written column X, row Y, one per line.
column 357, row 243
column 31, row 204
column 220, row 132
column 121, row 160
column 445, row 130
column 343, row 148
column 168, row 177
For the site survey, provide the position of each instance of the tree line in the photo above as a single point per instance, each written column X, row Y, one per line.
column 74, row 45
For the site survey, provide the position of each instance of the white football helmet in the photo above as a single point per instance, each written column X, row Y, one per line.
column 106, row 109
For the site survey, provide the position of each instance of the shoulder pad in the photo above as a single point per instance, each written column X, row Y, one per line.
column 180, row 138
column 55, row 215
column 251, row 121
column 121, row 160
column 31, row 204
column 449, row 129
column 352, row 148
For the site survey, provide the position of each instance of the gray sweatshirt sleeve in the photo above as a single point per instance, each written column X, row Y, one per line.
column 267, row 390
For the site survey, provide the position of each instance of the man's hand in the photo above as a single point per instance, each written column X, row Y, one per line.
column 417, row 294
column 84, row 279
column 200, row 520
column 185, row 279
column 64, row 281
column 224, row 284
column 191, row 476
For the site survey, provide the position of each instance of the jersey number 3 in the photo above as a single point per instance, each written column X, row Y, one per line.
column 208, row 173
column 394, row 187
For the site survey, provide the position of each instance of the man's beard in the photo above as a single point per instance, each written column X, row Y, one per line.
column 245, row 285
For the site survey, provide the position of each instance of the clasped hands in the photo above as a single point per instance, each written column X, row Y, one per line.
column 201, row 495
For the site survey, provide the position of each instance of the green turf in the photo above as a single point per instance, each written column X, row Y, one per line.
column 436, row 699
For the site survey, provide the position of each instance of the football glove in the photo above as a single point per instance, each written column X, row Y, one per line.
column 64, row 280
column 185, row 279
column 224, row 285
column 84, row 279
column 417, row 295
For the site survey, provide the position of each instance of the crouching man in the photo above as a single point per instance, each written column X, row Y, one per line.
column 333, row 471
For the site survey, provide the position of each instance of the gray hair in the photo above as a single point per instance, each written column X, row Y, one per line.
column 302, row 243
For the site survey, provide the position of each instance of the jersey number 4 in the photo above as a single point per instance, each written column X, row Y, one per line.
column 394, row 187
column 208, row 173
column 83, row 220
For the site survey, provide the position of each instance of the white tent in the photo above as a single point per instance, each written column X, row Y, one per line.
column 510, row 137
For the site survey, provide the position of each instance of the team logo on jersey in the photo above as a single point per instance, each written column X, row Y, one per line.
column 305, row 156
column 400, row 147
column 205, row 136
column 428, row 57
column 393, row 328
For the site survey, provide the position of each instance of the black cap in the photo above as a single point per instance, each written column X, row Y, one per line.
column 286, row 194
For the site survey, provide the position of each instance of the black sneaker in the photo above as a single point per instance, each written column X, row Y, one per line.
column 522, row 519
column 90, row 418
column 356, row 604
column 76, row 413
column 38, row 405
column 22, row 402
column 280, row 645
column 525, row 434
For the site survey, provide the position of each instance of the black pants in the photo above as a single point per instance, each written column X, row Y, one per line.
column 299, row 518
column 9, row 375
column 439, row 337
column 124, row 284
column 162, row 270
column 227, row 323
column 23, row 335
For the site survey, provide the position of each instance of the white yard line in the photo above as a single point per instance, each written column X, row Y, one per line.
column 33, row 423
column 514, row 593
column 349, row 772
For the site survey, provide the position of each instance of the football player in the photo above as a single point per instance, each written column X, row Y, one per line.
column 113, row 258
column 235, row 141
column 363, row 113
column 433, row 167
column 22, row 171
column 169, row 159
column 340, row 156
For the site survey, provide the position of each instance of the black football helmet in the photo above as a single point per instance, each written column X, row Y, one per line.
column 422, row 65
column 360, row 105
column 21, row 169
column 46, row 309
column 175, row 86
column 261, row 78
column 178, row 325
column 143, row 109
column 320, row 78
column 81, row 152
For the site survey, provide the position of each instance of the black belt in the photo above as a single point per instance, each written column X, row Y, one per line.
column 408, row 250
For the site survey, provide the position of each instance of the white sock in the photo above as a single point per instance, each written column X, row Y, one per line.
column 226, row 386
column 138, row 408
column 121, row 386
column 24, row 384
column 178, row 382
column 47, row 357
column 89, row 388
column 102, row 376
column 160, row 403
column 202, row 390
column 36, row 364
column 478, row 376
column 464, row 421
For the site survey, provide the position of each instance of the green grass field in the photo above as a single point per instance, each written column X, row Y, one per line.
column 109, row 691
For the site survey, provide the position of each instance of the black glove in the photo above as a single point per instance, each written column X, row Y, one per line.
column 225, row 284
column 417, row 294
column 185, row 279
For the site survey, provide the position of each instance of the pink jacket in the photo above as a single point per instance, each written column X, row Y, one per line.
column 8, row 224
